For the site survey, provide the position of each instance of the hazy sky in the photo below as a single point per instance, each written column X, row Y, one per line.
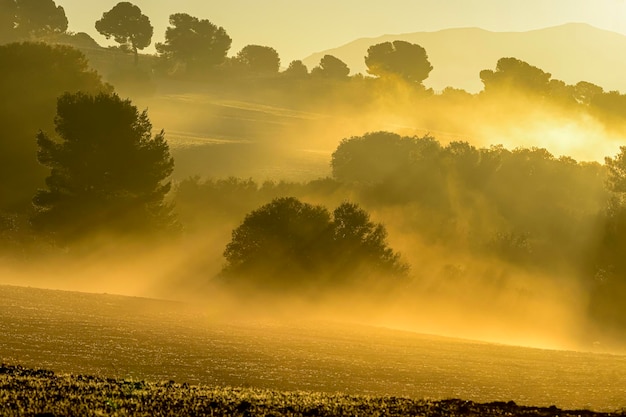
column 297, row 28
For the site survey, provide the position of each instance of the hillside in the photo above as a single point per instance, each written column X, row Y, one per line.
column 144, row 339
column 571, row 52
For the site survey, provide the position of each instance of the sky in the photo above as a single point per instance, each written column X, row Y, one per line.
column 298, row 28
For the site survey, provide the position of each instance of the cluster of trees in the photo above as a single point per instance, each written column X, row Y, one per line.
column 287, row 244
column 532, row 206
column 199, row 49
column 521, row 207
column 513, row 76
column 31, row 19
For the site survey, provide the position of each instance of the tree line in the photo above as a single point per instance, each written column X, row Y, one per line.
column 197, row 48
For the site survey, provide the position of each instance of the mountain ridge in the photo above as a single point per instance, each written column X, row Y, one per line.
column 571, row 52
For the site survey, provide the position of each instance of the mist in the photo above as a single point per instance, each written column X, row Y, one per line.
column 282, row 142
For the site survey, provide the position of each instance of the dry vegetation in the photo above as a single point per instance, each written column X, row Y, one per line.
column 41, row 393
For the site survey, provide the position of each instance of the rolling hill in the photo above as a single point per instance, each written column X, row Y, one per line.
column 155, row 340
column 572, row 52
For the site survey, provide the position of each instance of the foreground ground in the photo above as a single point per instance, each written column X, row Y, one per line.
column 43, row 393
column 129, row 338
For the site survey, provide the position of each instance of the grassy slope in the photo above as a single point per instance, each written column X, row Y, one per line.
column 38, row 392
column 125, row 337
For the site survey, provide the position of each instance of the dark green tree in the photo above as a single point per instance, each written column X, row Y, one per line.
column 40, row 18
column 402, row 59
column 331, row 67
column 512, row 73
column 585, row 92
column 288, row 244
column 608, row 265
column 360, row 243
column 380, row 156
column 32, row 77
column 610, row 107
column 257, row 59
column 279, row 242
column 8, row 20
column 616, row 178
column 296, row 70
column 194, row 44
column 128, row 26
column 107, row 172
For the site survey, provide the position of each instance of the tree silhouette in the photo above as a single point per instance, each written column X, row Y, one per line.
column 380, row 156
column 279, row 242
column 359, row 242
column 195, row 44
column 517, row 74
column 296, row 70
column 259, row 59
column 107, row 171
column 585, row 92
column 128, row 26
column 40, row 18
column 288, row 244
column 32, row 77
column 8, row 20
column 608, row 272
column 331, row 67
column 398, row 58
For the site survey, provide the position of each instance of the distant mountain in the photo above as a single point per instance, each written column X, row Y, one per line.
column 572, row 52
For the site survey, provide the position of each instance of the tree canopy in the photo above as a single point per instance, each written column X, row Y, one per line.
column 127, row 25
column 514, row 73
column 107, row 171
column 296, row 70
column 8, row 20
column 39, row 18
column 331, row 67
column 257, row 59
column 402, row 59
column 32, row 77
column 378, row 156
column 196, row 44
column 287, row 244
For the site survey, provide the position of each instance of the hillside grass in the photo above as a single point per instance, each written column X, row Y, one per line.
column 41, row 393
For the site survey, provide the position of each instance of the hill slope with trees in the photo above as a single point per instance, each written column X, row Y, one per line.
column 570, row 51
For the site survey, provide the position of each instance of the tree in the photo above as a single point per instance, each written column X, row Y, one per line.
column 107, row 171
column 585, row 92
column 359, row 242
column 288, row 244
column 402, row 59
column 8, row 20
column 259, row 59
column 516, row 74
column 40, row 18
column 296, row 70
column 380, row 156
column 128, row 26
column 608, row 272
column 193, row 43
column 32, row 77
column 610, row 106
column 331, row 67
column 279, row 242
